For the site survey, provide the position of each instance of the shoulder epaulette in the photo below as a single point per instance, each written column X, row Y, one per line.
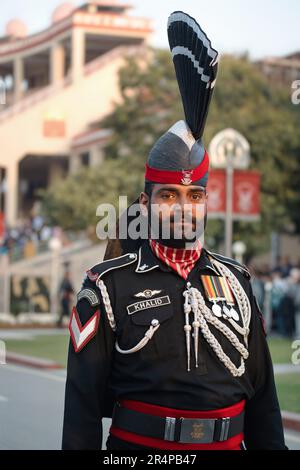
column 97, row 271
column 223, row 259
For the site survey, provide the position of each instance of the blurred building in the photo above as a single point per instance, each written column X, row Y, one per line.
column 58, row 84
column 282, row 70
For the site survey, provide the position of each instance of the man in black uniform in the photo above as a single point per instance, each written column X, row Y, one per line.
column 66, row 292
column 167, row 338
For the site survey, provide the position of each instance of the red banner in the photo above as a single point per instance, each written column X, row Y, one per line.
column 246, row 194
column 216, row 190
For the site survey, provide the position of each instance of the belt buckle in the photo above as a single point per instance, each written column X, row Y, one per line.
column 197, row 431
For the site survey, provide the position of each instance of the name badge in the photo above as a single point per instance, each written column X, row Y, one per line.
column 143, row 305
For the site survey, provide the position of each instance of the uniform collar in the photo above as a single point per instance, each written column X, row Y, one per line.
column 147, row 261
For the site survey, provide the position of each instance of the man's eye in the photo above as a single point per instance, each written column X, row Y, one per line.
column 197, row 197
column 167, row 196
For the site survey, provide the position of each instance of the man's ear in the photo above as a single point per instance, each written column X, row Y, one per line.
column 144, row 201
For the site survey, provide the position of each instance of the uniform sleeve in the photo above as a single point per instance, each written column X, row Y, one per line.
column 263, row 423
column 87, row 380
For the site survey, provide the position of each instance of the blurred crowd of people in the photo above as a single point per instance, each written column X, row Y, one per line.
column 27, row 238
column 277, row 291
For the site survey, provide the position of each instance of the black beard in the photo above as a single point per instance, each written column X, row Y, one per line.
column 175, row 242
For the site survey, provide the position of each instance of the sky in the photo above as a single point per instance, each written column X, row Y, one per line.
column 260, row 27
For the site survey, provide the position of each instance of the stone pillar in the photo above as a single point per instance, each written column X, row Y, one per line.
column 78, row 53
column 96, row 155
column 18, row 78
column 57, row 63
column 74, row 164
column 11, row 194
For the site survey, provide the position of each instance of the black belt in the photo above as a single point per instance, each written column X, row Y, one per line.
column 184, row 430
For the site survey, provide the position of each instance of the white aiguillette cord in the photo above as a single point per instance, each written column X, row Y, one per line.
column 148, row 335
column 187, row 327
column 195, row 302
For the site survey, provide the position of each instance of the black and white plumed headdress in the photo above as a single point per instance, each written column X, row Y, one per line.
column 179, row 156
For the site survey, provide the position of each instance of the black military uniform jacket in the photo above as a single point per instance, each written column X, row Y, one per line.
column 98, row 374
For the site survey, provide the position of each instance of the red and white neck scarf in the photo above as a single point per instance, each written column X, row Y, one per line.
column 182, row 260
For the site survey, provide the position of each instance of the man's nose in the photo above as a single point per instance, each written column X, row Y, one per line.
column 183, row 201
column 184, row 206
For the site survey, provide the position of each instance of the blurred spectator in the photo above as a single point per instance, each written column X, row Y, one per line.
column 37, row 223
column 45, row 233
column 287, row 315
column 29, row 249
column 278, row 292
column 258, row 287
column 284, row 266
column 66, row 292
column 278, row 295
column 283, row 304
column 294, row 292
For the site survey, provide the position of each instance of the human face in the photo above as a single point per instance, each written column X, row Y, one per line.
column 181, row 208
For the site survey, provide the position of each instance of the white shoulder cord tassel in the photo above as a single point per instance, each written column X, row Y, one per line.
column 196, row 326
column 187, row 328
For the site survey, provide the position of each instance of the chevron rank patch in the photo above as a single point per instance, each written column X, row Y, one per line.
column 81, row 335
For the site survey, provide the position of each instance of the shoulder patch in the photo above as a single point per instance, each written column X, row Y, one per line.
column 82, row 334
column 223, row 259
column 89, row 294
column 100, row 269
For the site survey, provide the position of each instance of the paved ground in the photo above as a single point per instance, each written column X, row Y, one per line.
column 31, row 406
column 29, row 334
column 286, row 369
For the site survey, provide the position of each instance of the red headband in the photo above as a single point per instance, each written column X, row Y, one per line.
column 185, row 177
